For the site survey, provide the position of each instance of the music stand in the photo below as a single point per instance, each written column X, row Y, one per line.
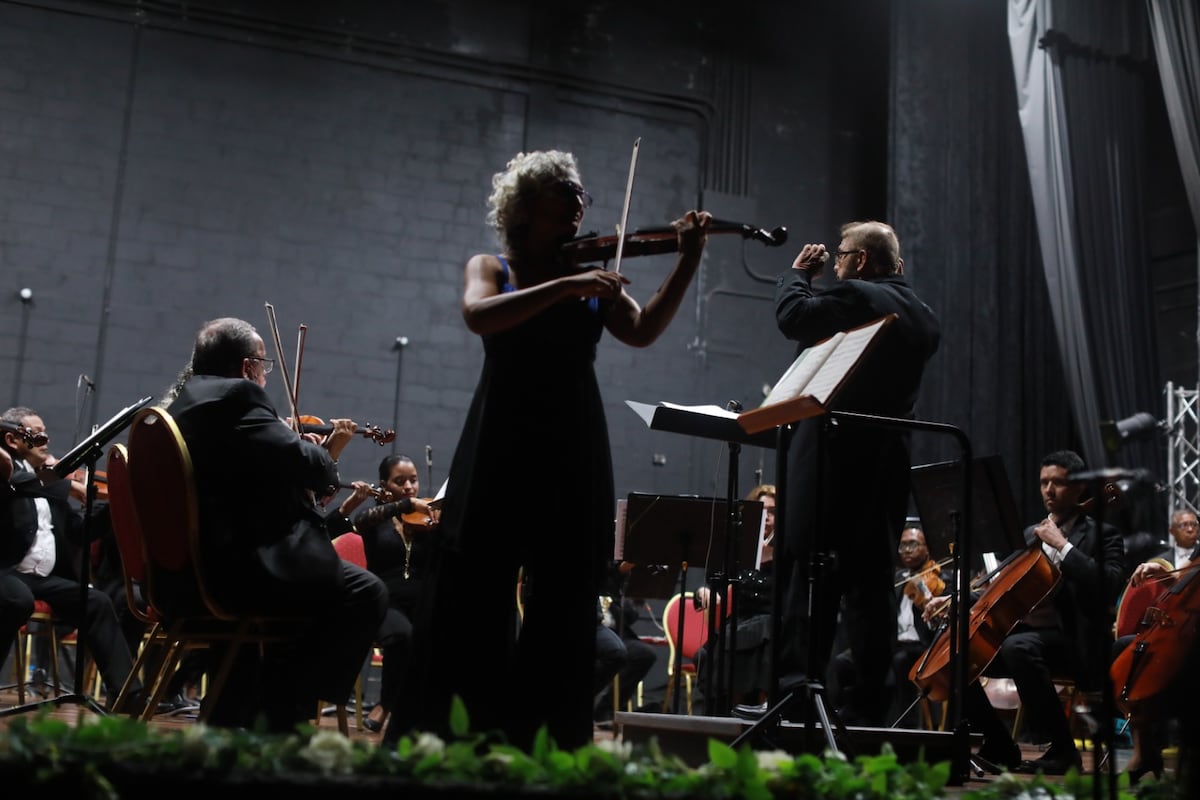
column 722, row 424
column 665, row 533
column 994, row 525
column 87, row 453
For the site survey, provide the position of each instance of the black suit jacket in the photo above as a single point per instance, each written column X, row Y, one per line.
column 861, row 492
column 18, row 523
column 263, row 541
column 1086, row 594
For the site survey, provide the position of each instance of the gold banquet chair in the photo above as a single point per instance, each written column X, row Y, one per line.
column 163, row 489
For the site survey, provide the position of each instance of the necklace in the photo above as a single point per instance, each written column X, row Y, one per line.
column 399, row 526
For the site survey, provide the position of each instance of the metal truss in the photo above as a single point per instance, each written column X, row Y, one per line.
column 1183, row 442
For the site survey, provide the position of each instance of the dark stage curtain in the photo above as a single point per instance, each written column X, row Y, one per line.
column 961, row 204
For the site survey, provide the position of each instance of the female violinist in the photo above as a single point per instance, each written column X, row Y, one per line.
column 537, row 414
column 397, row 552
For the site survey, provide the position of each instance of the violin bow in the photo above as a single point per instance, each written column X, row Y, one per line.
column 301, row 335
column 283, row 370
column 637, row 143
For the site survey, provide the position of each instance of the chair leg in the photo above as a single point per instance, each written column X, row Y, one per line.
column 20, row 668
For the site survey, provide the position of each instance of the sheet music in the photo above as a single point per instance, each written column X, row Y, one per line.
column 836, row 366
column 794, row 381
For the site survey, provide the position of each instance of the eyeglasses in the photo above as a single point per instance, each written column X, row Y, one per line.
column 840, row 253
column 1187, row 524
column 571, row 187
column 909, row 546
column 268, row 363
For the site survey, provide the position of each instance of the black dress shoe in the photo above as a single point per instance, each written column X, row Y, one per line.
column 373, row 725
column 997, row 756
column 743, row 711
column 1152, row 766
column 1053, row 762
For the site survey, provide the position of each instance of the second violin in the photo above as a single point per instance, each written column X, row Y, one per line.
column 311, row 424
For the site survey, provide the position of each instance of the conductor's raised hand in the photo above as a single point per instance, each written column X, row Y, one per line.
column 811, row 259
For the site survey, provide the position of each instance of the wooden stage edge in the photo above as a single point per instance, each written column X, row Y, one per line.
column 687, row 737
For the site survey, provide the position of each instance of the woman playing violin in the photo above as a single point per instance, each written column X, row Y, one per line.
column 536, row 415
column 397, row 551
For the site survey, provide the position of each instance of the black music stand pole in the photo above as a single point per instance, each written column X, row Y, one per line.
column 86, row 453
column 720, row 619
column 811, row 690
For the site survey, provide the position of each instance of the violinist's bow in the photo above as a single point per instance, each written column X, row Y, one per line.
column 289, row 388
column 625, row 207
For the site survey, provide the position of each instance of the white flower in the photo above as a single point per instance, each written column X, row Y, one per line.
column 193, row 746
column 617, row 748
column 428, row 744
column 329, row 751
column 772, row 759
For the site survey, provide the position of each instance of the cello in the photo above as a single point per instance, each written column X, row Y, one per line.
column 1018, row 584
column 1013, row 589
column 1165, row 640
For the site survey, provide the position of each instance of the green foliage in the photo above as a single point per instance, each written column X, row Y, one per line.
column 91, row 760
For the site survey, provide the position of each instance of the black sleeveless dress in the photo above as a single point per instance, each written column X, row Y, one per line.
column 530, row 486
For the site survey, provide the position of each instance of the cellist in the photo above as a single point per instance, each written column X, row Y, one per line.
column 1147, row 720
column 1059, row 635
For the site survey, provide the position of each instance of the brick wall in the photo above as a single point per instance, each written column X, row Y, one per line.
column 159, row 171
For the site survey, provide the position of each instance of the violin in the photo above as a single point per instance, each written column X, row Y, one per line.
column 590, row 248
column 311, row 424
column 419, row 519
column 1165, row 638
column 930, row 575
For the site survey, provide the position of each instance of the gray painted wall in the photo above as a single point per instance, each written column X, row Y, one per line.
column 158, row 169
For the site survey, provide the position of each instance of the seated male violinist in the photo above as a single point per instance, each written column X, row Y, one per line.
column 918, row 580
column 1059, row 636
column 265, row 542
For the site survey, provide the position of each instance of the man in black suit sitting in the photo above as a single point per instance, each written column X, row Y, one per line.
column 264, row 542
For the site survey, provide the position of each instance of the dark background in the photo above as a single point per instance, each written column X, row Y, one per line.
column 162, row 164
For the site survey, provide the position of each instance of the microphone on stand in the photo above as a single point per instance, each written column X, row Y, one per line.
column 429, row 464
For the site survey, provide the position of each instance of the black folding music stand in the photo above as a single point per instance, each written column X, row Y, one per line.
column 722, row 424
column 666, row 533
column 995, row 526
column 87, row 453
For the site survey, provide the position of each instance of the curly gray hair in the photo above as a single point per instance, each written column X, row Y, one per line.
column 513, row 189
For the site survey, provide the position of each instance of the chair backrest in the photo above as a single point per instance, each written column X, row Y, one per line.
column 125, row 527
column 349, row 547
column 164, row 497
column 695, row 626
